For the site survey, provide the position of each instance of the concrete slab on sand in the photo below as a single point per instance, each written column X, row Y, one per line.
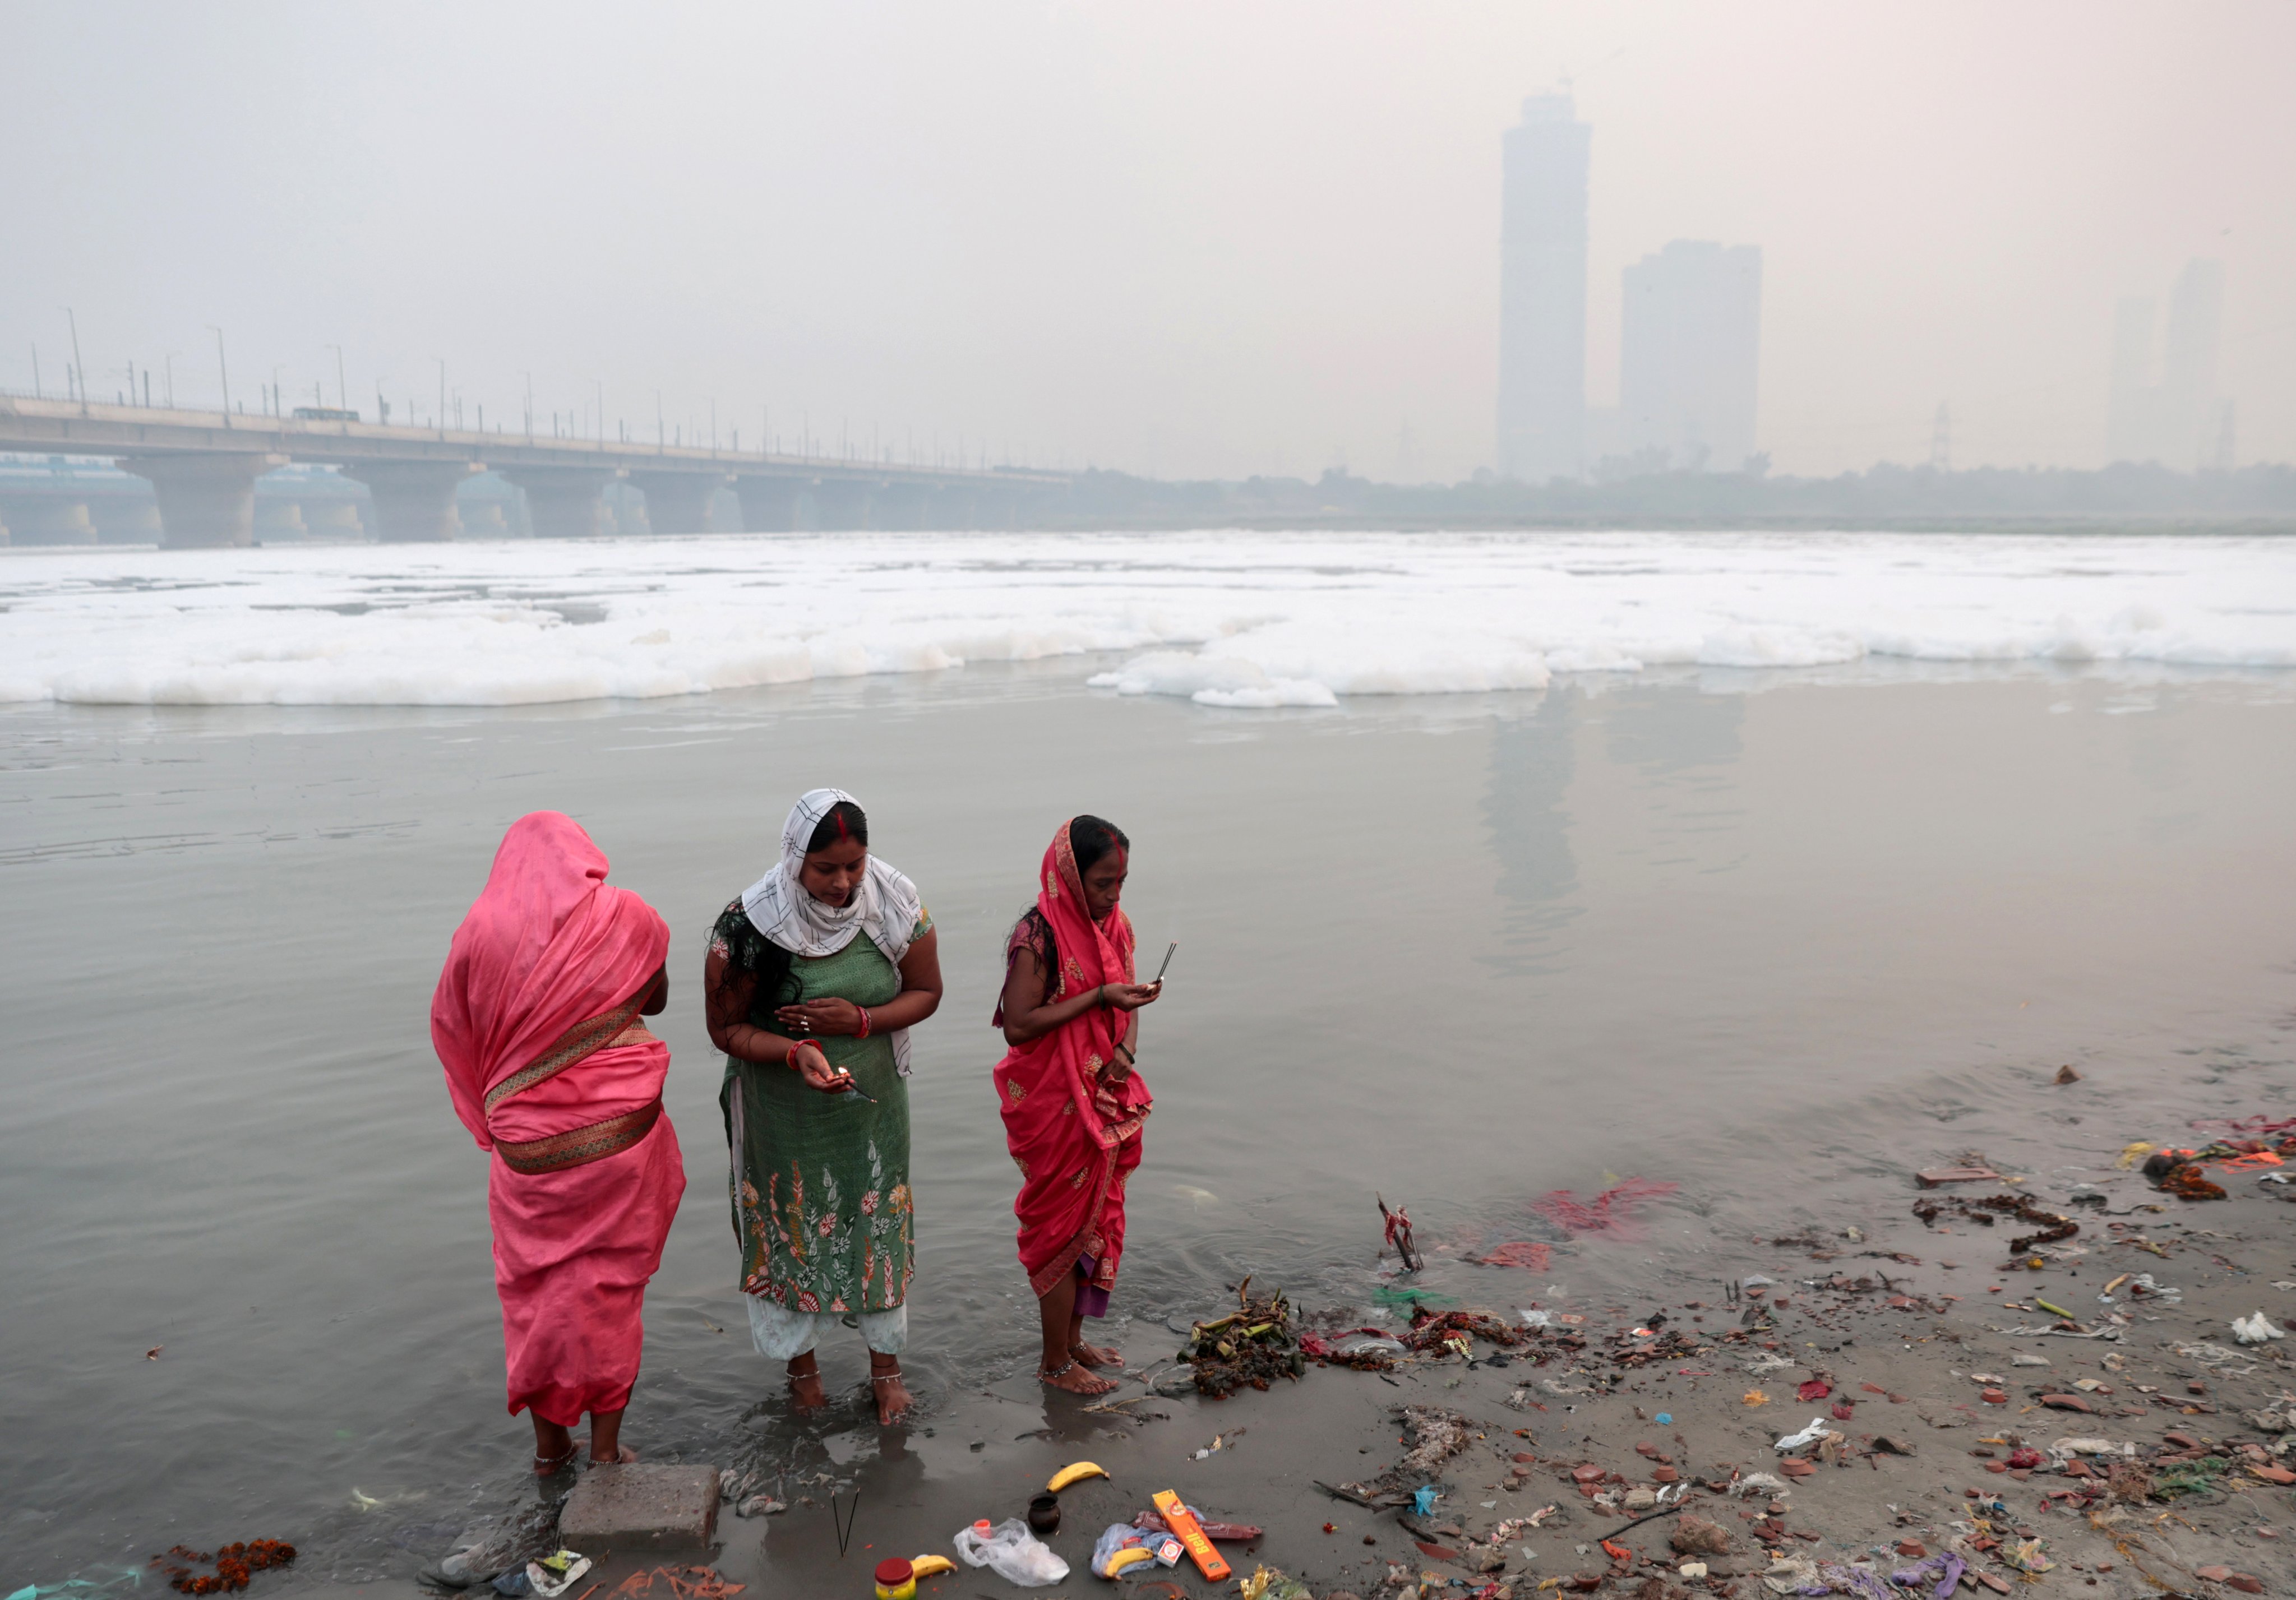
column 643, row 1506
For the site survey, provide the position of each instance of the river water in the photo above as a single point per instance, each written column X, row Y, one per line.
column 1773, row 938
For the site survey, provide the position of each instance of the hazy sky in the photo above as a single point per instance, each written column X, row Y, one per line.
column 1196, row 238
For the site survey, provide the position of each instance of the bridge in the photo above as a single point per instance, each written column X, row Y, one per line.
column 202, row 466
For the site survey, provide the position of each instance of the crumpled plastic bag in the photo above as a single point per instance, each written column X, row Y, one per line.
column 2255, row 1330
column 1115, row 1537
column 1818, row 1429
column 2065, row 1449
column 1012, row 1552
column 553, row 1575
column 1946, row 1567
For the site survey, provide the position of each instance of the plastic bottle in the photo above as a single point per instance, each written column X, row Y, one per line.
column 896, row 1580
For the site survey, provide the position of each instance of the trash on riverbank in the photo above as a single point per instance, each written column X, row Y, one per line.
column 1398, row 1235
column 1251, row 1346
column 1272, row 1583
column 234, row 1565
column 1222, row 1532
column 2255, row 1329
column 1937, row 1176
column 1011, row 1552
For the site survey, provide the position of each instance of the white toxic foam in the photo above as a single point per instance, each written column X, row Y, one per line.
column 1240, row 619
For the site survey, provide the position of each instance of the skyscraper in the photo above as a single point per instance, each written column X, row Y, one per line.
column 1542, row 409
column 2179, row 421
column 1689, row 354
column 2189, row 412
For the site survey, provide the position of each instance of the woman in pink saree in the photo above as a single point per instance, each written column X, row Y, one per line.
column 537, row 1022
column 1072, row 1105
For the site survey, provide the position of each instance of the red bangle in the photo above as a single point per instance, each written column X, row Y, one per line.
column 865, row 1020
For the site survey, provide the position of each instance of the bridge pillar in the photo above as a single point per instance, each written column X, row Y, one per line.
column 205, row 501
column 678, row 501
column 563, row 502
column 903, row 505
column 276, row 517
column 843, row 504
column 48, row 520
column 768, row 505
column 955, row 510
column 413, row 500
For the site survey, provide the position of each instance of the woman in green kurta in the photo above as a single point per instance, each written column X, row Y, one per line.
column 813, row 977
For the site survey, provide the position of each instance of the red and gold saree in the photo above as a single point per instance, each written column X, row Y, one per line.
column 1074, row 1134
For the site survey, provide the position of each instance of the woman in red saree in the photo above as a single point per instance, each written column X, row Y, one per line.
column 1072, row 1105
column 537, row 1022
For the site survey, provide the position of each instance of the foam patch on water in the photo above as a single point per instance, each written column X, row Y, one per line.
column 1236, row 620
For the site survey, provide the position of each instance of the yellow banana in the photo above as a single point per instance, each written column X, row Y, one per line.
column 1122, row 1559
column 1075, row 1472
column 931, row 1566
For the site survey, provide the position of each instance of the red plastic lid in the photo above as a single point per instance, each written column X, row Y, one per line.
column 894, row 1572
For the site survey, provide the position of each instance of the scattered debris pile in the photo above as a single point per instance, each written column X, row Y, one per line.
column 1250, row 1347
column 234, row 1565
column 1985, row 1212
column 1431, row 1436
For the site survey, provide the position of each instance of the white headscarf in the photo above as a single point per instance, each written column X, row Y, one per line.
column 885, row 906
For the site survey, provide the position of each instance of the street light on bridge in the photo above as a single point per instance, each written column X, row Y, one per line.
column 224, row 369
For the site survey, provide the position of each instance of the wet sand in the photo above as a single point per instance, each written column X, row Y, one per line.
column 1909, row 1325
column 1779, row 942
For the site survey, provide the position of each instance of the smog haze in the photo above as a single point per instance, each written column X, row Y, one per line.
column 1187, row 240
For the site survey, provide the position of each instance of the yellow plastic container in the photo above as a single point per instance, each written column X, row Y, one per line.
column 896, row 1580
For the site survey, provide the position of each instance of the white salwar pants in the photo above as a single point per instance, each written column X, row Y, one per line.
column 783, row 1335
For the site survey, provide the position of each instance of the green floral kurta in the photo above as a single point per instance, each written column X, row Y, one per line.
column 820, row 1182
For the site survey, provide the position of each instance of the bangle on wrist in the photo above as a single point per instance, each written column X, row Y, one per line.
column 865, row 1021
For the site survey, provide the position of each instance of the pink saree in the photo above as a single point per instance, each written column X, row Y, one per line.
column 537, row 1023
column 1075, row 1137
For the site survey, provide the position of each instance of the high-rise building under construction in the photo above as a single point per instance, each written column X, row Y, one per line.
column 1542, row 403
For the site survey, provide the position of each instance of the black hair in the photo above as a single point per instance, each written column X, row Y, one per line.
column 750, row 953
column 843, row 820
column 1092, row 837
column 1089, row 839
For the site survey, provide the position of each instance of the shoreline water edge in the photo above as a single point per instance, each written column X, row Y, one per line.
column 2073, row 1378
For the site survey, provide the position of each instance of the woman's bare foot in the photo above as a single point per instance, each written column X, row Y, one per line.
column 893, row 1398
column 606, row 1440
column 1097, row 1355
column 553, row 1448
column 806, row 1392
column 1069, row 1377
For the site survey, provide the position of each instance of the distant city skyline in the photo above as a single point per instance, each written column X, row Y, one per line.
column 2167, row 410
column 1689, row 337
column 1198, row 241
